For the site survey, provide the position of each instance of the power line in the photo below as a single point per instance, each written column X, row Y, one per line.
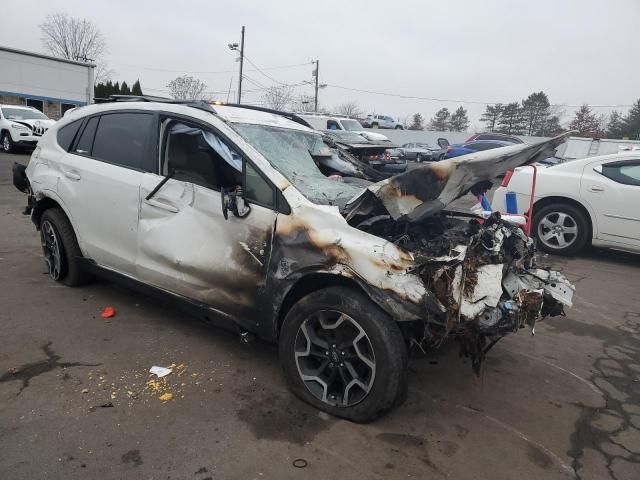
column 264, row 74
column 451, row 100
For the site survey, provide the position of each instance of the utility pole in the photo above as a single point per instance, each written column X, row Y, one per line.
column 317, row 72
column 241, row 62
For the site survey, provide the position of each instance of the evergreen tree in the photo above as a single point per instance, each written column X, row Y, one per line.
column 417, row 122
column 440, row 121
column 511, row 120
column 552, row 126
column 124, row 88
column 116, row 89
column 631, row 122
column 108, row 88
column 136, row 89
column 99, row 90
column 459, row 120
column 491, row 116
column 535, row 112
column 615, row 125
column 586, row 123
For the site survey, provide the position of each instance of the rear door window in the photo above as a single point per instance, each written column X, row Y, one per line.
column 123, row 138
column 67, row 133
column 83, row 147
column 627, row 173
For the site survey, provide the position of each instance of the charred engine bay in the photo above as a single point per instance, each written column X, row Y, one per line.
column 483, row 274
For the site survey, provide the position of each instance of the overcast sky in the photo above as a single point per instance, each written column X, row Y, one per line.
column 578, row 51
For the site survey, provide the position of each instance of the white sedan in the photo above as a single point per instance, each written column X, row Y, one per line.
column 593, row 200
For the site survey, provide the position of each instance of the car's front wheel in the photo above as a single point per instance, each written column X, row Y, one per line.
column 7, row 143
column 399, row 127
column 560, row 228
column 344, row 355
column 418, row 158
column 62, row 254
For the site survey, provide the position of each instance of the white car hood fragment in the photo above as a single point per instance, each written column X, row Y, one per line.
column 427, row 189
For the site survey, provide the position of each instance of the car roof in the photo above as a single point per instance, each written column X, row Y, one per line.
column 228, row 113
column 501, row 142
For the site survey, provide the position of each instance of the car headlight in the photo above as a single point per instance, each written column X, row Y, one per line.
column 17, row 126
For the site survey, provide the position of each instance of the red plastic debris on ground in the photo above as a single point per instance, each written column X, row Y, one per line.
column 108, row 312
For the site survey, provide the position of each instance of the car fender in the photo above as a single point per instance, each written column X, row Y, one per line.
column 41, row 196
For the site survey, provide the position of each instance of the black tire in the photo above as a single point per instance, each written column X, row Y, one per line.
column 388, row 379
column 70, row 271
column 418, row 158
column 399, row 127
column 563, row 242
column 374, row 125
column 7, row 143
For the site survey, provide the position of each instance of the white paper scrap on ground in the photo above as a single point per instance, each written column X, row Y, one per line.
column 160, row 371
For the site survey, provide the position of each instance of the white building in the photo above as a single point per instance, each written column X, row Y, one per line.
column 52, row 85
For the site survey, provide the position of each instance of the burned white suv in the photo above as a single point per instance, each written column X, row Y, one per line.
column 230, row 210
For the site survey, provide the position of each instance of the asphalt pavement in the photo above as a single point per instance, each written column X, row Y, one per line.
column 76, row 399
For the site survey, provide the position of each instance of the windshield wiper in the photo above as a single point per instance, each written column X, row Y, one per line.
column 166, row 178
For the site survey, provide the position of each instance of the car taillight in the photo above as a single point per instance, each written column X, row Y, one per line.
column 449, row 148
column 507, row 177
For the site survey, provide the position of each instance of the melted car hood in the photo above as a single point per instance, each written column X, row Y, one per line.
column 425, row 190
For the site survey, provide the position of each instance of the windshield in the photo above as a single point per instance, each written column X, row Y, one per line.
column 352, row 125
column 290, row 152
column 22, row 114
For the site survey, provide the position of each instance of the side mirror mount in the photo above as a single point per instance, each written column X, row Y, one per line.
column 233, row 199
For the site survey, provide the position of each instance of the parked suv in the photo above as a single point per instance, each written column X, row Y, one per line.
column 227, row 212
column 21, row 126
column 382, row 121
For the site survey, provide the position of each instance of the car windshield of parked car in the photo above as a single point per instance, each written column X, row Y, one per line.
column 291, row 153
column 22, row 114
column 349, row 137
column 352, row 125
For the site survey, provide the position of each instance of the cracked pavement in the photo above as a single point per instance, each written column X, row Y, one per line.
column 76, row 400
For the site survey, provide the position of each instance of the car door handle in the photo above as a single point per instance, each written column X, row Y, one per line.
column 595, row 188
column 72, row 175
column 162, row 205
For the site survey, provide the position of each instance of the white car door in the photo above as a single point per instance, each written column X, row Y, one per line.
column 185, row 243
column 612, row 189
column 100, row 182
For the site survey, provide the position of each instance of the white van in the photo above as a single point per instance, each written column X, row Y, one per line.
column 326, row 122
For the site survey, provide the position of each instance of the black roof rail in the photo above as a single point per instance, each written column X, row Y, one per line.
column 199, row 104
column 291, row 116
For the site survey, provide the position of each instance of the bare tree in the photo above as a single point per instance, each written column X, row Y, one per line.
column 278, row 98
column 303, row 103
column 187, row 87
column 350, row 109
column 76, row 39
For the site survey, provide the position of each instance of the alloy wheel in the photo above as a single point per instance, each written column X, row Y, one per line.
column 557, row 230
column 6, row 146
column 51, row 250
column 335, row 358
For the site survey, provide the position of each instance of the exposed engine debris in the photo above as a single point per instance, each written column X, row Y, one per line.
column 484, row 275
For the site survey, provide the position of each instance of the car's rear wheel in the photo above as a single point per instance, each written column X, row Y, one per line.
column 374, row 125
column 418, row 158
column 7, row 143
column 560, row 228
column 344, row 355
column 62, row 254
column 399, row 127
